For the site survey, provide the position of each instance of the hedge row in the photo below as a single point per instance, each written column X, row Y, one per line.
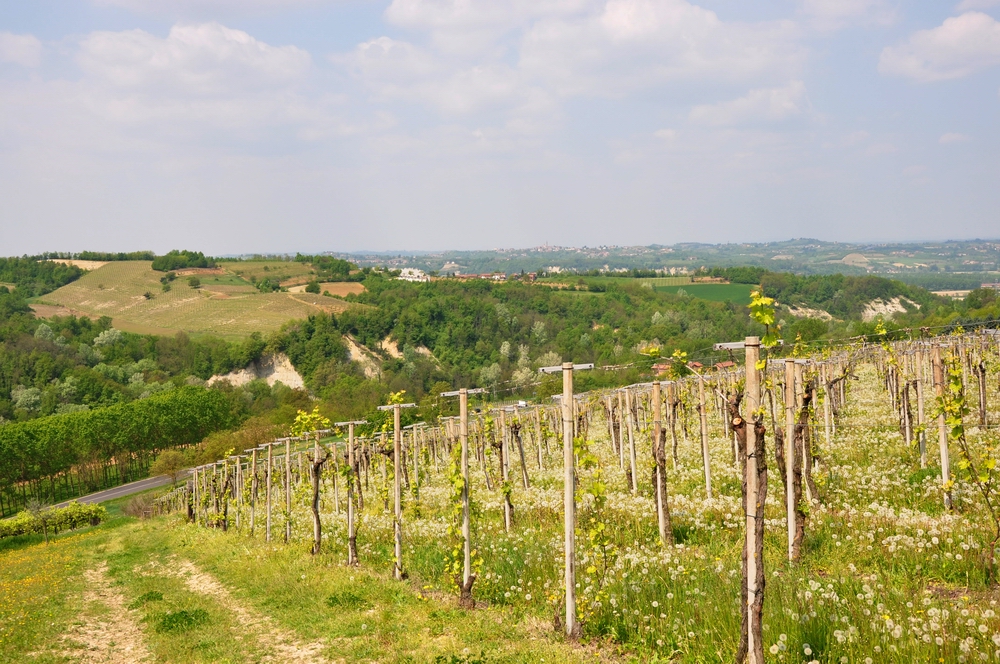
column 48, row 446
column 56, row 519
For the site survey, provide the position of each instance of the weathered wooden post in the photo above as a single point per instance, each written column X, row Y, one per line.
column 939, row 387
column 754, row 590
column 921, row 419
column 571, row 626
column 352, row 536
column 288, row 490
column 270, row 470
column 397, row 456
column 790, row 454
column 633, row 463
column 253, row 489
column 703, row 421
column 465, row 591
column 659, row 458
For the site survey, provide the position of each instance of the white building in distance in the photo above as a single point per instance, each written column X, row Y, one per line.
column 413, row 274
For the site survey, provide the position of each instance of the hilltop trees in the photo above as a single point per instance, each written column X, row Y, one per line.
column 178, row 260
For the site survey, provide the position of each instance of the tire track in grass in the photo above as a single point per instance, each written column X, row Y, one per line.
column 281, row 645
column 115, row 638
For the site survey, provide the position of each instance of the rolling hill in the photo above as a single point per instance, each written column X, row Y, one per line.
column 225, row 305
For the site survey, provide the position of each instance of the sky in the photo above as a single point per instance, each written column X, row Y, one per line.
column 241, row 126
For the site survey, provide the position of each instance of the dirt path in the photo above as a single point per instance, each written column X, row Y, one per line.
column 113, row 638
column 282, row 645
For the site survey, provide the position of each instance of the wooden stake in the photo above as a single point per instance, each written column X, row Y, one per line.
column 755, row 651
column 939, row 388
column 573, row 630
column 790, row 454
column 703, row 418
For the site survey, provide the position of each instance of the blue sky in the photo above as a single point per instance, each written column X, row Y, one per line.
column 282, row 125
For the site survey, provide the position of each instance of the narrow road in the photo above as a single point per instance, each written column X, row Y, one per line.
column 126, row 489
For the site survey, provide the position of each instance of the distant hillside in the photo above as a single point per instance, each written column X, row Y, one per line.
column 224, row 303
column 935, row 264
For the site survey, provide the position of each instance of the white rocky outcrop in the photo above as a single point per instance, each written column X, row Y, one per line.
column 271, row 368
column 886, row 308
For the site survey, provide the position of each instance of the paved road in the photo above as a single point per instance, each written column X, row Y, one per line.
column 126, row 489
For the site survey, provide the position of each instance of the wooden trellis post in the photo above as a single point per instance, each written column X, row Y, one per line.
column 939, row 388
column 571, row 625
column 921, row 419
column 754, row 589
column 790, row 454
column 659, row 457
column 703, row 421
column 397, row 458
column 633, row 463
column 465, row 592
column 352, row 536
column 269, row 480
column 288, row 490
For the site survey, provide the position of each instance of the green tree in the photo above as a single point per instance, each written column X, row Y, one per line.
column 169, row 462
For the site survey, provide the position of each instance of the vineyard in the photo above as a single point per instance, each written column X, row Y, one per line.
column 131, row 293
column 619, row 517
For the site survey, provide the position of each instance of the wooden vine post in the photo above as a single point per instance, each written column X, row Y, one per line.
column 659, row 457
column 921, row 419
column 942, row 427
column 270, row 470
column 703, row 421
column 634, row 471
column 352, row 535
column 288, row 490
column 397, row 457
column 789, row 443
column 571, row 625
column 465, row 592
column 253, row 489
column 754, row 512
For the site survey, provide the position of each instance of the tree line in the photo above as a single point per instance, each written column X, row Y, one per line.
column 103, row 446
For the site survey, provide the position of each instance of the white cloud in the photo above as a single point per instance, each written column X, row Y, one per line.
column 761, row 105
column 836, row 14
column 464, row 26
column 958, row 47
column 206, row 58
column 628, row 45
column 161, row 7
column 665, row 134
column 966, row 5
column 395, row 69
column 952, row 137
column 23, row 50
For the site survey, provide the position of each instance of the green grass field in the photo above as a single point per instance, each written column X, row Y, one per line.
column 173, row 592
column 225, row 305
column 283, row 271
column 738, row 293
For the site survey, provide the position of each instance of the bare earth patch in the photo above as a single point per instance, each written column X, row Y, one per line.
column 282, row 644
column 114, row 639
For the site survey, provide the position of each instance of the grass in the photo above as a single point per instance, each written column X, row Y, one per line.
column 738, row 293
column 117, row 290
column 886, row 572
column 355, row 614
column 283, row 271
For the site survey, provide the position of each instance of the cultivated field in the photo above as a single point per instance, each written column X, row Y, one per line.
column 225, row 305
column 287, row 273
column 339, row 288
column 738, row 293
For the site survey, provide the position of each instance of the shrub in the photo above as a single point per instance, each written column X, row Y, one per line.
column 74, row 515
column 140, row 506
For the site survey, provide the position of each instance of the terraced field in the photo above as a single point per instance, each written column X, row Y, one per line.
column 222, row 306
